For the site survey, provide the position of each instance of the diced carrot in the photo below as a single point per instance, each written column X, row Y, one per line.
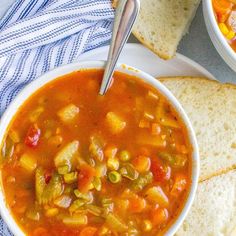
column 159, row 216
column 40, row 232
column 142, row 163
column 179, row 185
column 85, row 177
column 156, row 129
column 136, row 204
column 222, row 6
column 88, row 231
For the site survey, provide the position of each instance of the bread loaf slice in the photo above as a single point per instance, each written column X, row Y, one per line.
column 214, row 209
column 211, row 107
column 162, row 23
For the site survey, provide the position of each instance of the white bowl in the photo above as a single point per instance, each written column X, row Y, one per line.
column 32, row 87
column 217, row 38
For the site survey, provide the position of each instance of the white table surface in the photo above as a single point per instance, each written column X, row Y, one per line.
column 196, row 45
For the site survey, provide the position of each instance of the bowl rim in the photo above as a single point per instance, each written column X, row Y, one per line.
column 220, row 42
column 32, row 87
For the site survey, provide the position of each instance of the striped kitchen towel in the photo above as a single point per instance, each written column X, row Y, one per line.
column 39, row 35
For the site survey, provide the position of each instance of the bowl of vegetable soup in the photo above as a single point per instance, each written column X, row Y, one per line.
column 220, row 19
column 77, row 163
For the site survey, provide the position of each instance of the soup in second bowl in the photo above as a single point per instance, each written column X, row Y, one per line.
column 76, row 163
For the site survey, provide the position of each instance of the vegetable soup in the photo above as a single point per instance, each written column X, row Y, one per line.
column 77, row 163
column 225, row 11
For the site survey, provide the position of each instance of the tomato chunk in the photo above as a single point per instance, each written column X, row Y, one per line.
column 160, row 172
column 85, row 177
column 33, row 136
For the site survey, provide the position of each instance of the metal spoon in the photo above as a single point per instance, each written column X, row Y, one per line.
column 126, row 14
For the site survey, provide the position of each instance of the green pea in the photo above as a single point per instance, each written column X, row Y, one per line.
column 114, row 177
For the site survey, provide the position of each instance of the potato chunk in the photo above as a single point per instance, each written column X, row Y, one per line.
column 115, row 123
column 68, row 113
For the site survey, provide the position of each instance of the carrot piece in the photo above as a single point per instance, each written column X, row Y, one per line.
column 179, row 185
column 88, row 231
column 142, row 163
column 137, row 204
column 222, row 6
column 85, row 177
column 40, row 232
column 159, row 216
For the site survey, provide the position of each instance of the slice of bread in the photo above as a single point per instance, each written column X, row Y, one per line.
column 214, row 209
column 162, row 23
column 211, row 107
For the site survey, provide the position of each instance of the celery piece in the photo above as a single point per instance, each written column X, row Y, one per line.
column 28, row 162
column 115, row 123
column 65, row 156
column 96, row 148
column 97, row 183
column 63, row 201
column 115, row 223
column 68, row 113
column 129, row 172
column 71, row 178
column 46, row 193
column 75, row 220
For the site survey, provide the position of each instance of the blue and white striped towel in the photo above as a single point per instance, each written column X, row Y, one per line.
column 39, row 35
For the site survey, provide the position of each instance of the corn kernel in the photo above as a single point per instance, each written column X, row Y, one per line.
column 223, row 28
column 230, row 35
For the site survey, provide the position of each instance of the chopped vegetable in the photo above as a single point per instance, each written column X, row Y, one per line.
column 142, row 163
column 160, row 172
column 115, row 123
column 156, row 195
column 110, row 152
column 63, row 201
column 87, row 197
column 129, row 172
column 28, row 162
column 136, row 204
column 33, row 214
column 115, row 223
column 62, row 170
column 114, row 177
column 76, row 205
column 156, row 129
column 65, row 156
column 85, row 177
column 101, row 169
column 71, row 178
column 33, row 136
column 96, row 148
column 51, row 212
column 68, row 113
column 97, row 183
column 125, row 156
column 144, row 139
column 46, row 193
column 113, row 163
column 75, row 220
column 8, row 148
column 175, row 160
column 142, row 181
column 94, row 210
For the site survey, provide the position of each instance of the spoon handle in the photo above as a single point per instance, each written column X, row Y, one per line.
column 126, row 14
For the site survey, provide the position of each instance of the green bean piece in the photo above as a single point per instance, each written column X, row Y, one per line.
column 114, row 177
column 167, row 157
column 107, row 205
column 124, row 156
column 76, row 205
column 115, row 223
column 71, row 178
column 175, row 160
column 129, row 172
column 94, row 210
column 88, row 197
column 142, row 181
column 97, row 183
